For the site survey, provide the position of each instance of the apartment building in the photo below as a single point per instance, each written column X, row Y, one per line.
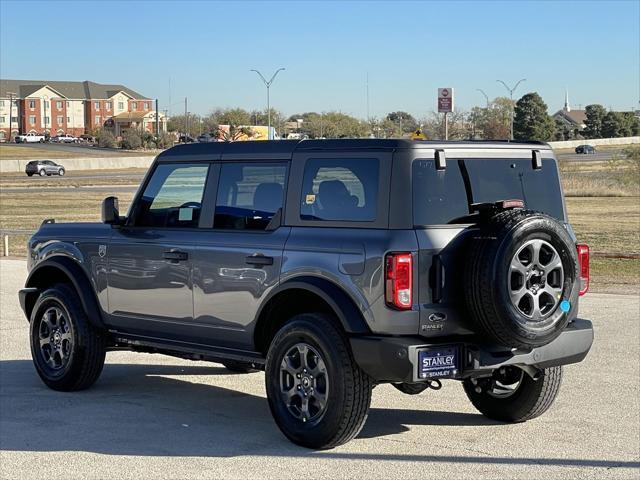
column 56, row 107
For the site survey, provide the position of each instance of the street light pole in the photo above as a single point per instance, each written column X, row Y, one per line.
column 485, row 95
column 511, row 90
column 268, row 85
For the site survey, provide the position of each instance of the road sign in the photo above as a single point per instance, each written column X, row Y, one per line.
column 445, row 100
column 418, row 135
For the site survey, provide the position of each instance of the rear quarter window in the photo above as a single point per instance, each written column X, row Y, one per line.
column 440, row 196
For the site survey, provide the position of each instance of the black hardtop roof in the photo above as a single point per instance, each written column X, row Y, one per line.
column 285, row 148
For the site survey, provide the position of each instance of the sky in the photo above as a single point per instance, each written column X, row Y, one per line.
column 204, row 51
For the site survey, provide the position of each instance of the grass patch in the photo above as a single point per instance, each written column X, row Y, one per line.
column 15, row 152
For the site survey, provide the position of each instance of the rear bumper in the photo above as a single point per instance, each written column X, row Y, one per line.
column 395, row 359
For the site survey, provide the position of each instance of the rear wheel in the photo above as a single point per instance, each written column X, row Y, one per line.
column 513, row 396
column 67, row 351
column 318, row 395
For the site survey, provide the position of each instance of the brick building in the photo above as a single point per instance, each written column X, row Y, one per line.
column 55, row 107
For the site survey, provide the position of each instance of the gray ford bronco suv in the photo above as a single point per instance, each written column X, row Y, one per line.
column 332, row 265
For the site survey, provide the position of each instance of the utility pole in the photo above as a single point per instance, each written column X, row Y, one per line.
column 511, row 90
column 268, row 85
column 186, row 122
column 446, row 126
column 11, row 94
column 157, row 120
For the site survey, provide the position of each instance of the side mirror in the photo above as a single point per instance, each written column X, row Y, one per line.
column 110, row 212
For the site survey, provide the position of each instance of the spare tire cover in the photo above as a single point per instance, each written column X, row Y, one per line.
column 520, row 278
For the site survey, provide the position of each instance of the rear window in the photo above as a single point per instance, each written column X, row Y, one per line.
column 340, row 189
column 440, row 197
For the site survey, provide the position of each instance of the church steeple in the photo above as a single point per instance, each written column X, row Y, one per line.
column 567, row 108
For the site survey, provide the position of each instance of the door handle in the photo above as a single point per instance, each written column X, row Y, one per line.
column 175, row 256
column 259, row 259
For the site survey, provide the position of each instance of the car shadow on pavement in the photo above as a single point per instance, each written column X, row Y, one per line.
column 141, row 409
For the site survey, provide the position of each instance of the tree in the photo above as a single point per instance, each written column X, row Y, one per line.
column 405, row 121
column 105, row 138
column 492, row 122
column 593, row 124
column 192, row 124
column 532, row 121
column 620, row 124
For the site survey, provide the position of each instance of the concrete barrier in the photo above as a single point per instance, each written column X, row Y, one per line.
column 595, row 142
column 82, row 163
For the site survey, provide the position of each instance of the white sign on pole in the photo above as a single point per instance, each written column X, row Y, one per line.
column 445, row 100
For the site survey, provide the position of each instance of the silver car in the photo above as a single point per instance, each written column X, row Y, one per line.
column 44, row 167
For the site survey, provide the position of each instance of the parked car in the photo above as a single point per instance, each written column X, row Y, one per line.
column 186, row 139
column 205, row 138
column 64, row 138
column 586, row 149
column 87, row 138
column 44, row 167
column 30, row 138
column 333, row 265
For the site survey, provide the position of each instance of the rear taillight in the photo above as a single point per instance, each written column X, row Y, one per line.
column 399, row 280
column 583, row 262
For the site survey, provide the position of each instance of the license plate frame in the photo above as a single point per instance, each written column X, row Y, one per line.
column 438, row 362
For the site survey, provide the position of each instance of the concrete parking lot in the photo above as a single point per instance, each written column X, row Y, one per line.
column 151, row 416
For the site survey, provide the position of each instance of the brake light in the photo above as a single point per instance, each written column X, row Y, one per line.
column 399, row 280
column 583, row 262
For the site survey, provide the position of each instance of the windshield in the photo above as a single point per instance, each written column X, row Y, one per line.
column 440, row 196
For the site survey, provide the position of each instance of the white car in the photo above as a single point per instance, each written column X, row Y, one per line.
column 65, row 138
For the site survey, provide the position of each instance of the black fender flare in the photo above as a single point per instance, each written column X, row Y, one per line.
column 347, row 312
column 79, row 280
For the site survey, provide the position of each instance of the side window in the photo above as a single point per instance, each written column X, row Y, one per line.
column 249, row 195
column 340, row 189
column 173, row 197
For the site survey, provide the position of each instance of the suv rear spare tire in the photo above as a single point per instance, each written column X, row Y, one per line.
column 520, row 278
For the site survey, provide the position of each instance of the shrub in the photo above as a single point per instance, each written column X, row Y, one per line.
column 165, row 140
column 131, row 140
column 105, row 139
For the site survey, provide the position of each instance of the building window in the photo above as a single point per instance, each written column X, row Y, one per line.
column 59, row 120
column 32, row 104
column 46, row 121
column 3, row 120
column 1, row 103
column 68, row 104
column 108, row 105
column 46, row 104
column 32, row 119
column 120, row 105
column 59, row 105
column 68, row 119
column 134, row 105
column 96, row 105
column 98, row 119
column 146, row 105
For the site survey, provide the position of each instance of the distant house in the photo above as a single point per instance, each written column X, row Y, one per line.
column 572, row 121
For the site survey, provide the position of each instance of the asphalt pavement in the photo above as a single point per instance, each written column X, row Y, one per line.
column 151, row 416
column 593, row 157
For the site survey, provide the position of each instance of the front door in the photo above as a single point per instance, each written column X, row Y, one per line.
column 237, row 263
column 150, row 259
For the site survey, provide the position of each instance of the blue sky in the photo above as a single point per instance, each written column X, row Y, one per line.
column 409, row 49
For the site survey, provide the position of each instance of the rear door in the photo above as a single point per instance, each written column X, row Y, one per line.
column 237, row 262
column 441, row 215
column 150, row 259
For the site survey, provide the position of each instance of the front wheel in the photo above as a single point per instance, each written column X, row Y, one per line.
column 513, row 396
column 42, row 172
column 61, row 172
column 67, row 351
column 318, row 395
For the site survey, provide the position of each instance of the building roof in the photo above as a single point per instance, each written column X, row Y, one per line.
column 72, row 90
column 576, row 117
column 136, row 115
